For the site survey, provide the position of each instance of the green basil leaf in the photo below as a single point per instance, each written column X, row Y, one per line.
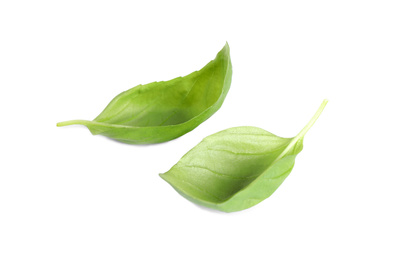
column 236, row 168
column 161, row 111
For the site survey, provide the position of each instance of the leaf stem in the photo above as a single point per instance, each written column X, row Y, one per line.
column 313, row 120
column 304, row 130
column 73, row 122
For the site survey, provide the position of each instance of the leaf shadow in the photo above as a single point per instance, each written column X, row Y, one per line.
column 214, row 211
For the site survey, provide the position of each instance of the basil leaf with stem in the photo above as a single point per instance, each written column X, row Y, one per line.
column 161, row 111
column 236, row 168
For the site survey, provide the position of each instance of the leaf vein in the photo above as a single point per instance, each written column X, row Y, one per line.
column 218, row 173
column 201, row 190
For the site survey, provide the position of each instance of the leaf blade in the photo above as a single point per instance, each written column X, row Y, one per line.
column 162, row 111
column 249, row 168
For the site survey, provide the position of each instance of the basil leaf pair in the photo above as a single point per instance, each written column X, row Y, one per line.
column 229, row 171
column 236, row 168
column 161, row 111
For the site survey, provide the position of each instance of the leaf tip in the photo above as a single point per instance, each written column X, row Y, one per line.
column 162, row 175
column 226, row 48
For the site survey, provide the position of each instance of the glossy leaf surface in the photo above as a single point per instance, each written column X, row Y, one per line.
column 161, row 111
column 236, row 168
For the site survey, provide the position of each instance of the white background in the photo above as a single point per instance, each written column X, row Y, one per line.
column 65, row 194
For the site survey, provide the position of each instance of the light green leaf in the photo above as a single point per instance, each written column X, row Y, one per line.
column 236, row 168
column 161, row 111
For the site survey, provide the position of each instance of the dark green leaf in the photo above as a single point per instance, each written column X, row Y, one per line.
column 236, row 168
column 161, row 111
